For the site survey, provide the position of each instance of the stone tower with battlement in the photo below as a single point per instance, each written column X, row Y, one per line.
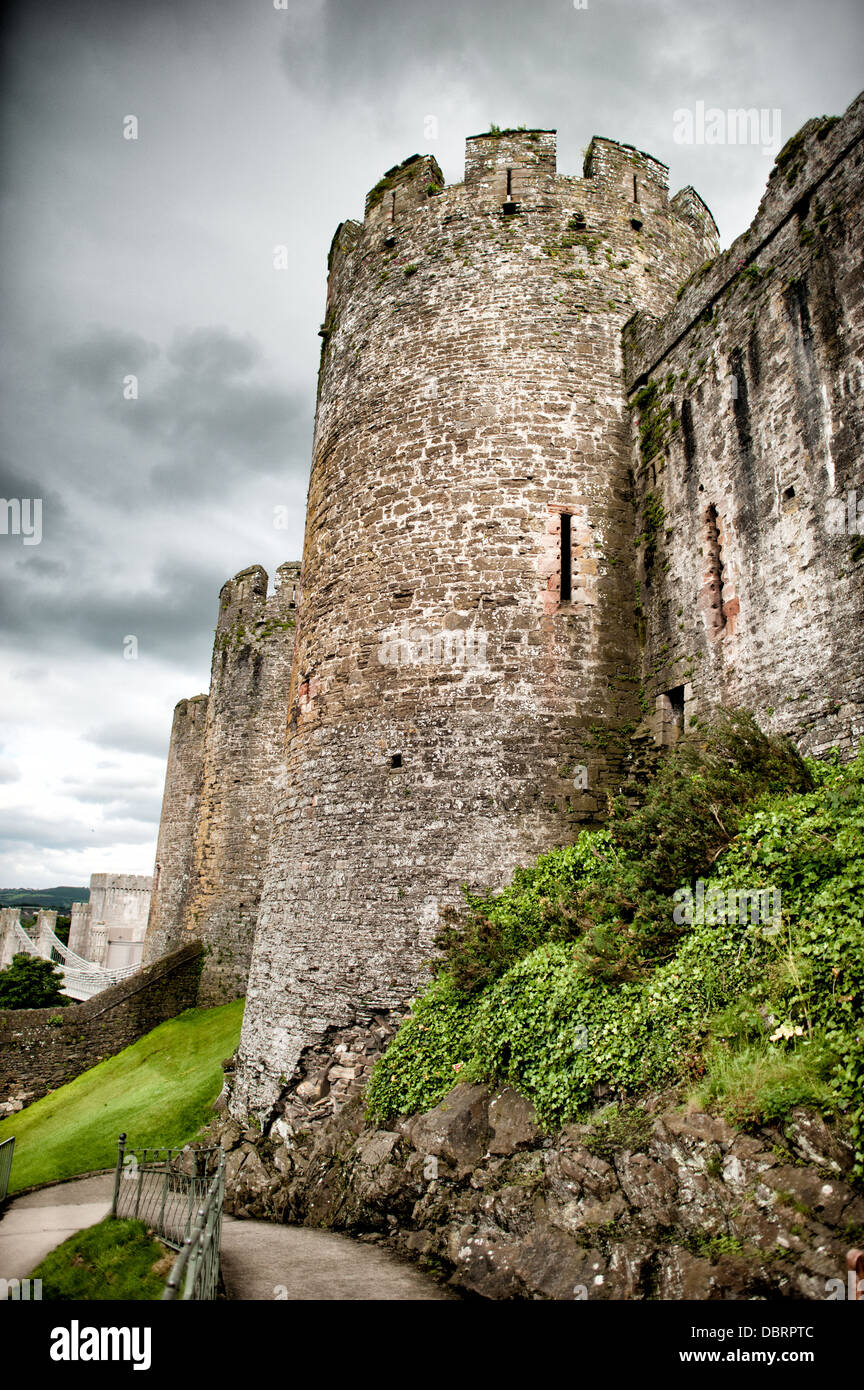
column 223, row 764
column 464, row 670
column 577, row 480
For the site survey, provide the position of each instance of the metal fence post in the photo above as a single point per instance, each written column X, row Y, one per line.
column 141, row 1163
column 121, row 1147
column 7, row 1149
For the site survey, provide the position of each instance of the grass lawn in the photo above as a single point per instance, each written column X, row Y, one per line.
column 111, row 1260
column 159, row 1091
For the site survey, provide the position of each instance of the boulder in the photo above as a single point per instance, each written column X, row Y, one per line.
column 512, row 1123
column 457, row 1130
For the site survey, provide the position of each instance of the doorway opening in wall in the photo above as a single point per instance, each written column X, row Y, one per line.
column 675, row 696
column 566, row 558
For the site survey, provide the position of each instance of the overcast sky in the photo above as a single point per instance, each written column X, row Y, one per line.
column 153, row 257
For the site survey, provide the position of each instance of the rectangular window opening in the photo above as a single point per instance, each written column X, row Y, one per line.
column 509, row 184
column 635, row 190
column 566, row 558
column 396, row 760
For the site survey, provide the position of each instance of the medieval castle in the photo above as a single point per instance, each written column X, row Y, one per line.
column 577, row 479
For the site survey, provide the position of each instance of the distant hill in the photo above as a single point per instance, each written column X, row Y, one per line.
column 43, row 897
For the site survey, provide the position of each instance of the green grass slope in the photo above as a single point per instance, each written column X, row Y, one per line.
column 158, row 1091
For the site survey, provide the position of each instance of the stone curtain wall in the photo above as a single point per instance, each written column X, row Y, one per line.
column 41, row 1049
column 752, row 594
column 444, row 694
column 219, row 788
column 173, row 873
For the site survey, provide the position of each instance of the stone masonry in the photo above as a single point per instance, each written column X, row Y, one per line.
column 223, row 763
column 748, row 449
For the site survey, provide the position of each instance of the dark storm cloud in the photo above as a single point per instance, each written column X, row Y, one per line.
column 171, row 614
column 207, row 403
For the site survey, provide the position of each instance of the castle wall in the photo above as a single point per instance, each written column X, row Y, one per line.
column 219, row 787
column 445, row 690
column 749, row 471
column 41, row 1049
column 174, row 869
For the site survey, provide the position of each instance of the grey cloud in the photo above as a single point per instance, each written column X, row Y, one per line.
column 9, row 771
column 19, row 826
column 98, row 361
column 172, row 614
column 210, row 410
column 130, row 737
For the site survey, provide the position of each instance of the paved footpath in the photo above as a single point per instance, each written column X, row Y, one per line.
column 35, row 1224
column 260, row 1260
column 263, row 1261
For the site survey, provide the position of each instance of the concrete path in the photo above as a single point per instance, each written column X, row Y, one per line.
column 36, row 1224
column 267, row 1262
column 259, row 1259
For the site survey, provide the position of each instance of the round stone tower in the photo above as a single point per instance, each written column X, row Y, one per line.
column 463, row 677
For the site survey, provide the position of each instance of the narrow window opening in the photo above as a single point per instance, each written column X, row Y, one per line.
column 566, row 558
column 635, row 190
column 789, row 493
column 396, row 760
column 688, row 434
column 715, row 578
column 509, row 184
column 393, row 207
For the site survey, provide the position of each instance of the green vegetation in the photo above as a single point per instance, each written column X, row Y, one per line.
column 112, row 1260
column 790, row 160
column 43, row 897
column 158, row 1091
column 578, row 975
column 656, row 422
column 31, row 983
column 513, row 130
column 653, row 515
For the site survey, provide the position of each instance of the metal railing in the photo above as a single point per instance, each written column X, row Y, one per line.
column 7, row 1148
column 195, row 1273
column 165, row 1187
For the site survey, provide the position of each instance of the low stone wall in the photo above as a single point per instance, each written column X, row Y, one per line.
column 41, row 1049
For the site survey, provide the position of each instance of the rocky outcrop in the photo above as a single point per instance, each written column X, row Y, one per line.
column 642, row 1203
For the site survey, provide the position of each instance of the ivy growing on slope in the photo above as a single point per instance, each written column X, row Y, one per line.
column 745, row 1018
